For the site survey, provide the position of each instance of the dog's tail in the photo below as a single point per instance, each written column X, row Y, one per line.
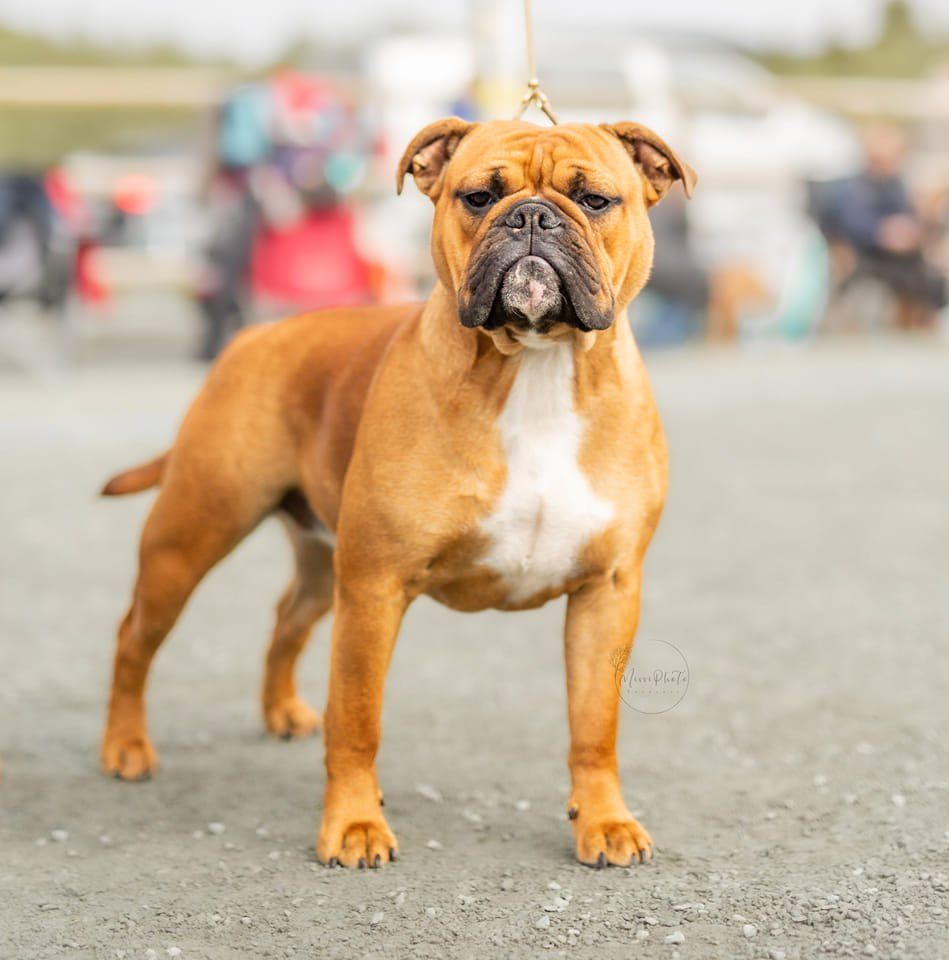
column 136, row 479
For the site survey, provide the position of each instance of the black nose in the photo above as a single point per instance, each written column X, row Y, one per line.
column 533, row 215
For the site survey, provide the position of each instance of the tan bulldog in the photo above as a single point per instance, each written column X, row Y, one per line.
column 496, row 446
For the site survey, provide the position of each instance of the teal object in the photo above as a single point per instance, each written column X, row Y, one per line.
column 808, row 292
column 244, row 137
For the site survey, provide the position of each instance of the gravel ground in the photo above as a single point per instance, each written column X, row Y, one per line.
column 799, row 793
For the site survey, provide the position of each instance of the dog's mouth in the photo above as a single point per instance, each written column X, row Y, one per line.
column 531, row 297
column 534, row 284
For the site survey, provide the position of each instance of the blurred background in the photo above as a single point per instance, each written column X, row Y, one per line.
column 169, row 173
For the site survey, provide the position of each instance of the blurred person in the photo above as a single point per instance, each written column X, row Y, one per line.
column 41, row 225
column 280, row 232
column 222, row 285
column 875, row 230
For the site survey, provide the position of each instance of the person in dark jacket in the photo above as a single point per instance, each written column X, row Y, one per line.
column 873, row 214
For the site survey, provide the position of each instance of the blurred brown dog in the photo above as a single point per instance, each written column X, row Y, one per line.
column 497, row 446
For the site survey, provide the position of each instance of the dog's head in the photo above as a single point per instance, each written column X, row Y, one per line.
column 539, row 230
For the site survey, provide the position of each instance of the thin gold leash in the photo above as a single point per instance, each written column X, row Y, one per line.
column 534, row 95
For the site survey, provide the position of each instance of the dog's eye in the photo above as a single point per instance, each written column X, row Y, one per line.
column 479, row 200
column 593, row 201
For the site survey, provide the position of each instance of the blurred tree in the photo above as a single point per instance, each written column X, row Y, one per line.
column 902, row 49
column 36, row 137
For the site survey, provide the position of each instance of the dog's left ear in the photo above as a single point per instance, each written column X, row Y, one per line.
column 656, row 160
column 429, row 152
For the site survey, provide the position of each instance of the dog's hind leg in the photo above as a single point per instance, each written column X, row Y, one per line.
column 192, row 525
column 308, row 597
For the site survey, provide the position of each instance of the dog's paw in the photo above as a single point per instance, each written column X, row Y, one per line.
column 292, row 718
column 366, row 842
column 128, row 758
column 612, row 840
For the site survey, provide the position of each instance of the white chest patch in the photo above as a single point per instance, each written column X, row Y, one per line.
column 547, row 511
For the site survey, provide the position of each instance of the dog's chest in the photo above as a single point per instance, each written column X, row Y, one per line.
column 547, row 511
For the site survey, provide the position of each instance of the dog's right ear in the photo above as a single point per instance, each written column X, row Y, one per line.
column 429, row 152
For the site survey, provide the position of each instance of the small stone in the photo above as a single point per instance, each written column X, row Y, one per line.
column 677, row 936
column 433, row 845
column 246, row 921
column 652, row 921
column 507, row 884
column 216, row 828
column 553, row 885
column 820, row 780
column 471, row 816
column 262, row 832
column 430, row 912
column 869, row 949
column 173, row 951
column 429, row 792
column 542, row 923
column 749, row 930
column 60, row 836
column 642, row 934
column 776, row 955
column 376, row 918
column 738, row 918
column 105, row 839
column 898, row 800
column 151, row 954
column 465, row 900
column 197, row 835
column 41, row 841
column 522, row 805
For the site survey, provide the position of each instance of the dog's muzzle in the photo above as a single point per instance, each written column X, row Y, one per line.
column 533, row 269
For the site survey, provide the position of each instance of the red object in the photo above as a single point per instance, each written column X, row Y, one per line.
column 313, row 263
column 65, row 200
column 88, row 279
column 135, row 193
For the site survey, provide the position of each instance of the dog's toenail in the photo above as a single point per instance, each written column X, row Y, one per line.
column 601, row 861
column 333, row 862
column 572, row 813
column 377, row 862
column 392, row 855
column 362, row 863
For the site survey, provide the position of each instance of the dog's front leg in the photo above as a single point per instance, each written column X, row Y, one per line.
column 367, row 618
column 601, row 622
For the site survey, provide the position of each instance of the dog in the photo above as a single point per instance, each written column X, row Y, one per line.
column 496, row 446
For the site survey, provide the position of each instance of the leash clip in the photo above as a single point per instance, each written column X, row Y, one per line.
column 537, row 98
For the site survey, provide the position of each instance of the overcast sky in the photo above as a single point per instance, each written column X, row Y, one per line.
column 254, row 30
